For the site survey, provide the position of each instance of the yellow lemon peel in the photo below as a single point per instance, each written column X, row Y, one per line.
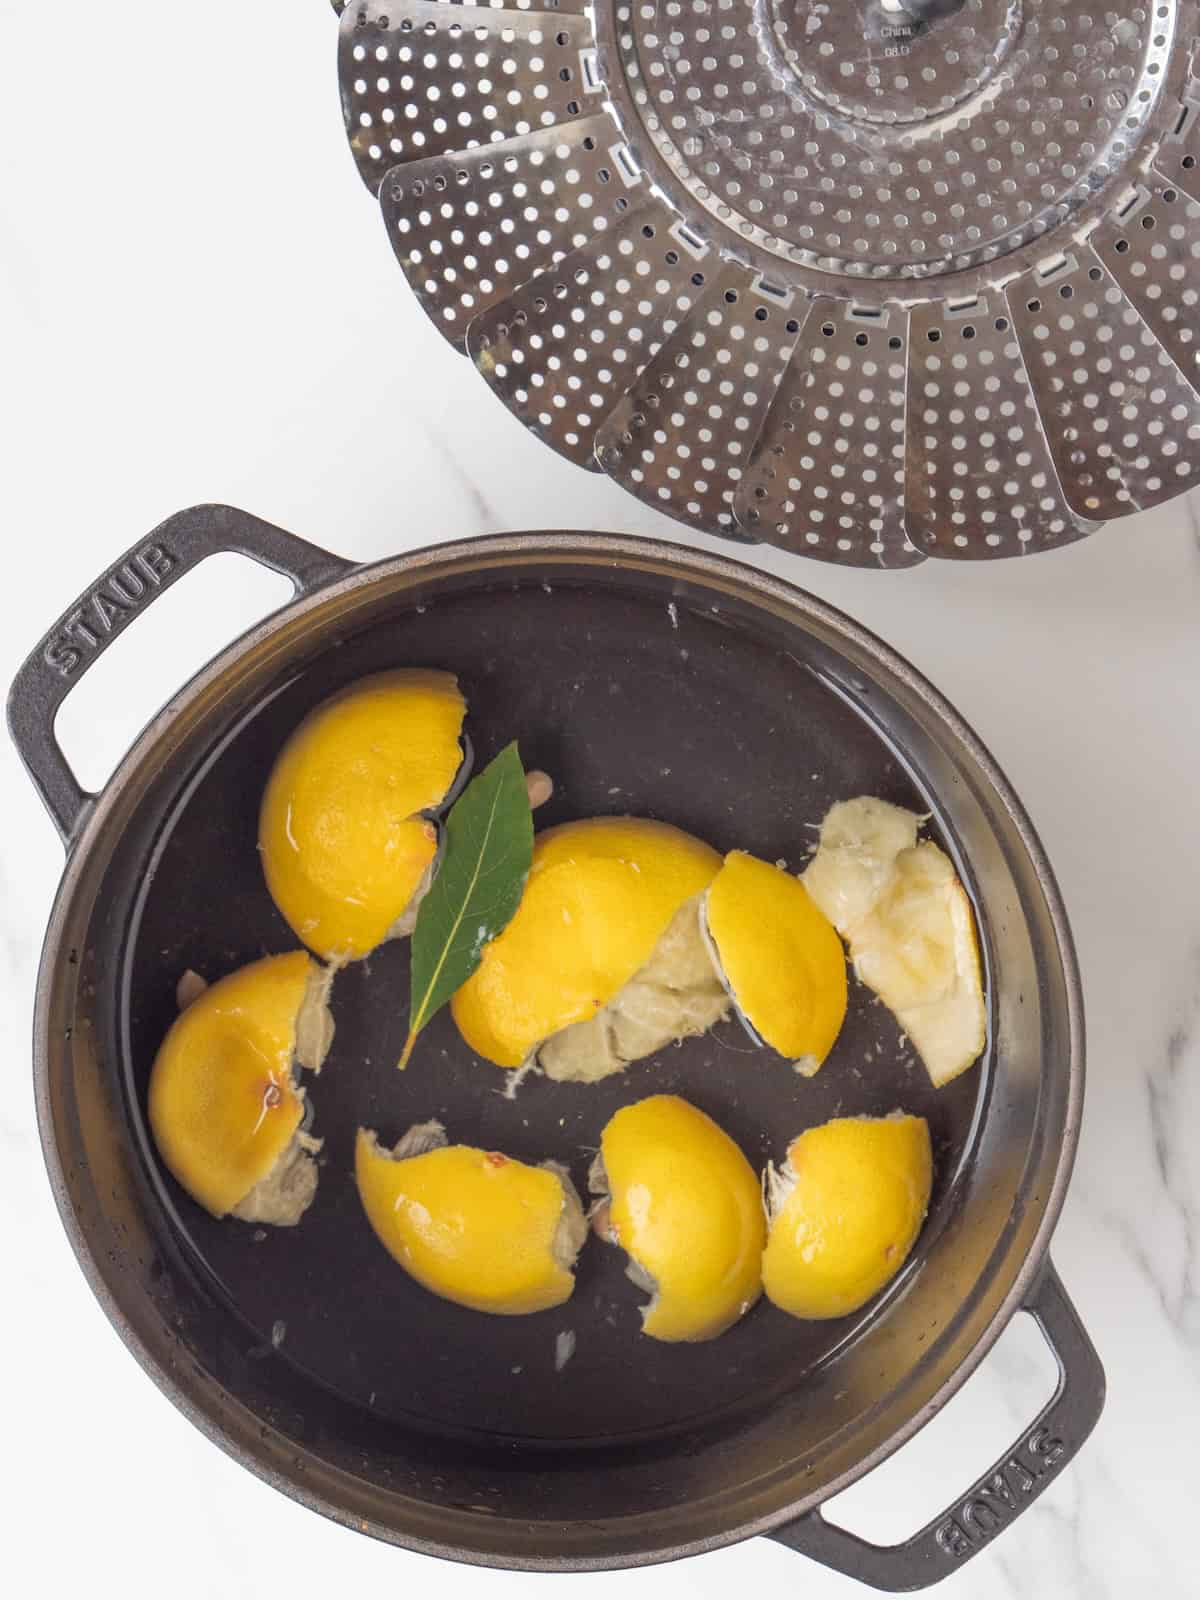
column 846, row 1209
column 601, row 895
column 676, row 995
column 473, row 1226
column 780, row 956
column 224, row 1107
column 682, row 1201
column 346, row 849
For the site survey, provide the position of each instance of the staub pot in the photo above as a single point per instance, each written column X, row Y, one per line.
column 646, row 679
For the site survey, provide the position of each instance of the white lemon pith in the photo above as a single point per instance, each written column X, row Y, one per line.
column 846, row 1208
column 856, row 856
column 224, row 1105
column 909, row 925
column 472, row 1226
column 676, row 995
column 680, row 1198
column 346, row 846
column 606, row 907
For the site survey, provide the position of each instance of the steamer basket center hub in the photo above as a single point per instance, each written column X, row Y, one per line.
column 893, row 141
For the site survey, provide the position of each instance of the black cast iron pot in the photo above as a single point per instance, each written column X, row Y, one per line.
column 648, row 680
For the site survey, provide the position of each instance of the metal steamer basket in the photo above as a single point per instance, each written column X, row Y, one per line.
column 871, row 281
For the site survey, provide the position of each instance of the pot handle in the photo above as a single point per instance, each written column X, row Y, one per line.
column 133, row 582
column 1014, row 1482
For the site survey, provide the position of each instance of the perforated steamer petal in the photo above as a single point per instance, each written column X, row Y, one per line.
column 869, row 281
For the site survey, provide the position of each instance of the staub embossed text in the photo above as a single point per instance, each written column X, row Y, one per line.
column 109, row 606
column 993, row 1501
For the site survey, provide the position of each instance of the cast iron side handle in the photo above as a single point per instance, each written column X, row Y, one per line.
column 1016, row 1480
column 134, row 581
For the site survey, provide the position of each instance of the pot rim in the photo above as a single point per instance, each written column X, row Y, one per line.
column 620, row 551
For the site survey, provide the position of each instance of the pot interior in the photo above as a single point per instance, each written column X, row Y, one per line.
column 640, row 691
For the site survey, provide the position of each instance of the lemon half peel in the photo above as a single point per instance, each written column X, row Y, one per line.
column 910, row 928
column 678, row 994
column 846, row 1208
column 601, row 895
column 779, row 956
column 680, row 1198
column 475, row 1227
column 347, row 848
column 225, row 1108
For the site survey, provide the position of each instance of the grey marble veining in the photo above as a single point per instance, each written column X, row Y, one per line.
column 1173, row 1090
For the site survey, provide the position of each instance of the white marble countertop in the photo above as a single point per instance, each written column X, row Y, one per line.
column 197, row 302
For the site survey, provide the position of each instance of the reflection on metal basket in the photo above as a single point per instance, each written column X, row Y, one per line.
column 872, row 281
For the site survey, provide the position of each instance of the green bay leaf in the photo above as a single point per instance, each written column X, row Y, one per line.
column 486, row 856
